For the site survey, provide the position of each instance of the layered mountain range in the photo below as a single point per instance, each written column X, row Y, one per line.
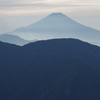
column 58, row 25
column 13, row 39
column 57, row 69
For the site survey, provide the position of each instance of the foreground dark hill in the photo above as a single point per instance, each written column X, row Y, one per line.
column 58, row 25
column 56, row 78
column 87, row 53
column 57, row 69
column 8, row 55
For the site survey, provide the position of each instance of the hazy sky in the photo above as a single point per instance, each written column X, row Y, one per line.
column 17, row 13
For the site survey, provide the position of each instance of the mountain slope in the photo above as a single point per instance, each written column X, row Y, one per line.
column 56, row 69
column 87, row 53
column 58, row 25
column 56, row 77
column 13, row 39
column 8, row 55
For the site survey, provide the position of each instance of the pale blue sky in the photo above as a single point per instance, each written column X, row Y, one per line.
column 17, row 13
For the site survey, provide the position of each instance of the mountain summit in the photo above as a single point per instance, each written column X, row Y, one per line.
column 58, row 25
column 58, row 17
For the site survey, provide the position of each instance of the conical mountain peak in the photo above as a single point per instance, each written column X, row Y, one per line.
column 57, row 15
column 57, row 18
column 58, row 25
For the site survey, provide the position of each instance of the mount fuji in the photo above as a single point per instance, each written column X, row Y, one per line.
column 58, row 25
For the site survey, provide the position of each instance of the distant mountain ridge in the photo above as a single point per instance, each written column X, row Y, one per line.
column 58, row 25
column 13, row 39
